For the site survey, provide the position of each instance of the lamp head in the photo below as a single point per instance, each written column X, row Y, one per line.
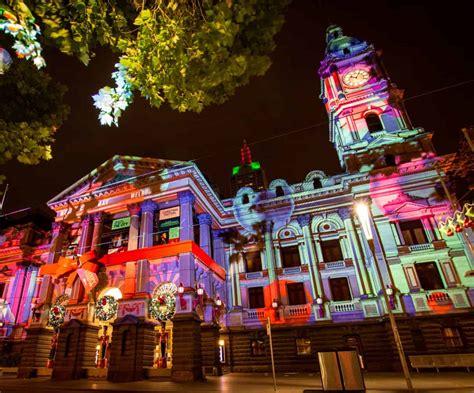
column 181, row 289
column 200, row 291
column 275, row 303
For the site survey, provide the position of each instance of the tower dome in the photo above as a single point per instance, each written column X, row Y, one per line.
column 340, row 45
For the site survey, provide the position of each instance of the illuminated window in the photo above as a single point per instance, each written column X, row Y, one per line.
column 290, row 256
column 413, row 232
column 257, row 347
column 317, row 183
column 279, row 191
column 373, row 123
column 303, row 346
column 428, row 275
column 256, row 298
column 452, row 337
column 296, row 293
column 253, row 262
column 340, row 289
column 331, row 250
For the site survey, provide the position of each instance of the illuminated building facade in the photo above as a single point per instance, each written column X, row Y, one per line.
column 294, row 253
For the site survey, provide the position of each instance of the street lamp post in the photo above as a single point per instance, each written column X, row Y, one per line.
column 363, row 213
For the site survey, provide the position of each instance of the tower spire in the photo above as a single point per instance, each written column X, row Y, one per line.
column 245, row 154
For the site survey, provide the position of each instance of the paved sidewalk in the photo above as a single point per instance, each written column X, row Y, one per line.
column 247, row 383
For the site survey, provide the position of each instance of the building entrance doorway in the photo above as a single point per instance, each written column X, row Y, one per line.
column 163, row 356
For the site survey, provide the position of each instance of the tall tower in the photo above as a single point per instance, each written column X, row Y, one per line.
column 248, row 174
column 368, row 123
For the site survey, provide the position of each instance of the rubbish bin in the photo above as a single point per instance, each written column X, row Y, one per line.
column 340, row 370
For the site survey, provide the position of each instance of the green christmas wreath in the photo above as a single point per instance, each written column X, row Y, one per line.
column 56, row 315
column 163, row 306
column 106, row 308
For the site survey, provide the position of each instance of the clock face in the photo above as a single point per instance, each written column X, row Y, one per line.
column 356, row 78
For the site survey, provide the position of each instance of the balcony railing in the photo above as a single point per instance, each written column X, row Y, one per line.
column 255, row 314
column 300, row 310
column 347, row 306
column 421, row 247
column 335, row 265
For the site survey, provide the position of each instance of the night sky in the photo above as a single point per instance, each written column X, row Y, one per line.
column 426, row 47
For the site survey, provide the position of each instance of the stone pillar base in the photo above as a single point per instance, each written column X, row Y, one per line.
column 132, row 348
column 35, row 351
column 187, row 356
column 76, row 350
column 210, row 349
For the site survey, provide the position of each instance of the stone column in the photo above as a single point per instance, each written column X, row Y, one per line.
column 355, row 250
column 86, row 235
column 72, row 362
column 35, row 350
column 270, row 257
column 146, row 240
column 134, row 211
column 210, row 348
column 234, row 261
column 205, row 221
column 97, row 232
column 186, row 201
column 54, row 250
column 187, row 350
column 219, row 248
column 315, row 278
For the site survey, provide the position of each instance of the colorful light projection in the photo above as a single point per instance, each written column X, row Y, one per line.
column 275, row 205
column 460, row 221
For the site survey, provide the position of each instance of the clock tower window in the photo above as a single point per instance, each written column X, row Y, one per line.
column 373, row 123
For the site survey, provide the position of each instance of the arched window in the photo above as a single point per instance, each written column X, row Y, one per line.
column 317, row 183
column 373, row 123
column 123, row 348
column 67, row 347
column 279, row 191
column 245, row 199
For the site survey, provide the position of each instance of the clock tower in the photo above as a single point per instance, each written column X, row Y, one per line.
column 368, row 124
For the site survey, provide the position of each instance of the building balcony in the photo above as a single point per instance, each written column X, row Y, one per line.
column 297, row 311
column 336, row 264
column 438, row 301
column 414, row 248
column 345, row 311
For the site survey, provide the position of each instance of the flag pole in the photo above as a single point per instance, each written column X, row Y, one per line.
column 269, row 333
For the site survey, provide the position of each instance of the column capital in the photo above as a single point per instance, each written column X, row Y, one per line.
column 98, row 217
column 86, row 219
column 134, row 209
column 57, row 227
column 148, row 206
column 204, row 219
column 304, row 220
column 217, row 234
column 345, row 212
column 186, row 197
column 268, row 226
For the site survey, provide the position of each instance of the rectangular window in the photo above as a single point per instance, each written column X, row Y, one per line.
column 340, row 289
column 452, row 337
column 253, row 262
column 296, row 293
column 114, row 240
column 2, row 289
column 413, row 232
column 418, row 340
column 428, row 275
column 256, row 298
column 257, row 347
column 303, row 346
column 331, row 250
column 290, row 256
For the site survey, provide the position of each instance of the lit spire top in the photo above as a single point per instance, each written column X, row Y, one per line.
column 245, row 154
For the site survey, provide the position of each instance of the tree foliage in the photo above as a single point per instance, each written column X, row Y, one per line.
column 188, row 53
column 31, row 111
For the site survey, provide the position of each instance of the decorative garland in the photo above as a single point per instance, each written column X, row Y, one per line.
column 56, row 315
column 106, row 308
column 163, row 302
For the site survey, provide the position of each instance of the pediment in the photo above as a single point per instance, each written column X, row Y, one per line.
column 116, row 172
column 384, row 139
column 406, row 204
